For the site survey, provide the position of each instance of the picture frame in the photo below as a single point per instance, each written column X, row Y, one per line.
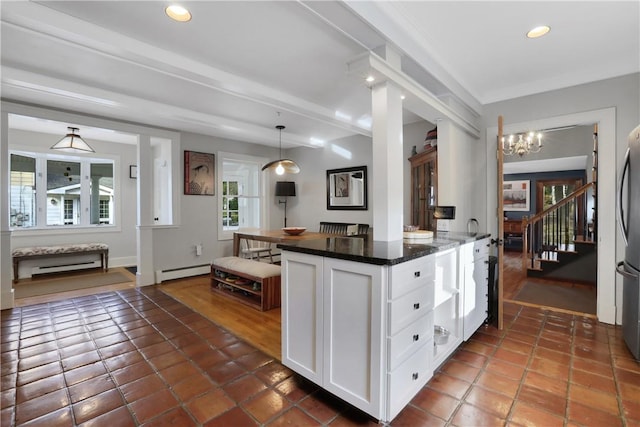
column 347, row 188
column 199, row 173
column 133, row 171
column 516, row 195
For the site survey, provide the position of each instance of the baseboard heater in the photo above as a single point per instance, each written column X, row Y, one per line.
column 178, row 273
column 64, row 267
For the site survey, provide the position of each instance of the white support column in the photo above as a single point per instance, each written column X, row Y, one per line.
column 6, row 276
column 387, row 156
column 388, row 162
column 145, row 274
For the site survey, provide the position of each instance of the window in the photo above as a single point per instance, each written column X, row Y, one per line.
column 241, row 199
column 22, row 212
column 56, row 182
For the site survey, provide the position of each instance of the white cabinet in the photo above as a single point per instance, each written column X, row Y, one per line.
column 332, row 326
column 363, row 332
column 474, row 259
column 447, row 305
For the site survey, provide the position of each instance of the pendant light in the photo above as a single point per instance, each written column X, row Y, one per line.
column 283, row 165
column 72, row 142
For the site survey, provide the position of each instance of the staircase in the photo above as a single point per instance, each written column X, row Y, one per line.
column 559, row 244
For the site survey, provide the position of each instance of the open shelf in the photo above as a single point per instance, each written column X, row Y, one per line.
column 260, row 293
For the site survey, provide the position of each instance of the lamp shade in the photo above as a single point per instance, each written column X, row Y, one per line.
column 72, row 142
column 285, row 188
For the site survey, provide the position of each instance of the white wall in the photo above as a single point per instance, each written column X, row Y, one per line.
column 174, row 247
column 309, row 207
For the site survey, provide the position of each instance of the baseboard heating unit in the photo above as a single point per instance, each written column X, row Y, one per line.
column 178, row 273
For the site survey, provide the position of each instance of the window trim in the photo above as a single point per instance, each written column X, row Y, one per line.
column 43, row 156
column 264, row 214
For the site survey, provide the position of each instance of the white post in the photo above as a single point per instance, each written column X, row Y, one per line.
column 388, row 161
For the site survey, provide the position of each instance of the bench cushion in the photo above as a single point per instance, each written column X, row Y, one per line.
column 58, row 249
column 253, row 268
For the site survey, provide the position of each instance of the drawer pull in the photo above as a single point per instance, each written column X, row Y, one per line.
column 414, row 376
column 416, row 337
column 416, row 306
column 416, row 274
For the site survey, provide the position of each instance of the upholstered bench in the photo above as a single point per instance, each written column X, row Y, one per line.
column 35, row 252
column 251, row 282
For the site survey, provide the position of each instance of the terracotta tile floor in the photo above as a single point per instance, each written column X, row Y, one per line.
column 138, row 357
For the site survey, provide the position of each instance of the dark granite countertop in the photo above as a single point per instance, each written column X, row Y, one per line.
column 365, row 249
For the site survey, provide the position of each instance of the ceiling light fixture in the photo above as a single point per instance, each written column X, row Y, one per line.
column 72, row 142
column 525, row 144
column 540, row 31
column 282, row 165
column 178, row 13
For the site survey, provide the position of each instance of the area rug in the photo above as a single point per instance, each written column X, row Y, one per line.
column 578, row 299
column 70, row 283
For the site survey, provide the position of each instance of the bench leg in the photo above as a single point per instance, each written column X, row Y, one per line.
column 105, row 260
column 15, row 270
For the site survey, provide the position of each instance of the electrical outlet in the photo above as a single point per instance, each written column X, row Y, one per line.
column 443, row 225
column 198, row 250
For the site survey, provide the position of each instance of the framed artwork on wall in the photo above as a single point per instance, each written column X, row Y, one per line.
column 516, row 195
column 347, row 188
column 199, row 173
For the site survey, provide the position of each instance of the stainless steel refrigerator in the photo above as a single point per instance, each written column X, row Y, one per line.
column 629, row 221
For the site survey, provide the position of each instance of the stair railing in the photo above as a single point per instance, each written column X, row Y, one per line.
column 556, row 227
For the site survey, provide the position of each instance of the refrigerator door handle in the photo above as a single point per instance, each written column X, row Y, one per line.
column 620, row 269
column 623, row 226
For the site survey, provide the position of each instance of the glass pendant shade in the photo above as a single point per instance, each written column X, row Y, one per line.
column 72, row 142
column 282, row 166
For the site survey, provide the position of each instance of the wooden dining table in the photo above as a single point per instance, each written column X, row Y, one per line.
column 274, row 236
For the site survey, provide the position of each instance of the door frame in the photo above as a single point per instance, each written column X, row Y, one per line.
column 609, row 287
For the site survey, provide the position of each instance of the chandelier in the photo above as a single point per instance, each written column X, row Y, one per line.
column 526, row 143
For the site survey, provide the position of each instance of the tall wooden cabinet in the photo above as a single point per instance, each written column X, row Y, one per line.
column 424, row 188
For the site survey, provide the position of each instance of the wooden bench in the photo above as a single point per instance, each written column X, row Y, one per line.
column 346, row 229
column 250, row 282
column 38, row 252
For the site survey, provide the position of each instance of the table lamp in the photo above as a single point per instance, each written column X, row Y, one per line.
column 285, row 189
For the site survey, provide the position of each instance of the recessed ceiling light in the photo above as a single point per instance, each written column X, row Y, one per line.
column 538, row 31
column 178, row 13
column 370, row 79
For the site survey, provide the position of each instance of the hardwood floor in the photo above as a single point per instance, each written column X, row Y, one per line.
column 260, row 328
column 515, row 276
column 21, row 302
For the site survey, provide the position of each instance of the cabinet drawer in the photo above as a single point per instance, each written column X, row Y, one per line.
column 410, row 339
column 406, row 380
column 410, row 307
column 410, row 275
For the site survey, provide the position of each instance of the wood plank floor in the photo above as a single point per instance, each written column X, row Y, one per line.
column 260, row 328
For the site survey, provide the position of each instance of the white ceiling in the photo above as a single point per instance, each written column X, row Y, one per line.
column 236, row 64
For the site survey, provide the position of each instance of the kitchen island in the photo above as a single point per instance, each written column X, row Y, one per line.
column 359, row 316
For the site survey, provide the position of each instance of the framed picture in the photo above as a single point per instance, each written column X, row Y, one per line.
column 516, row 195
column 347, row 188
column 199, row 173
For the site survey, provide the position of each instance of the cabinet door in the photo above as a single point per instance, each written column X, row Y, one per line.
column 302, row 314
column 354, row 332
column 475, row 293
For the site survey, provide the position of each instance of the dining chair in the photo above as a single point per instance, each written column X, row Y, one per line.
column 256, row 249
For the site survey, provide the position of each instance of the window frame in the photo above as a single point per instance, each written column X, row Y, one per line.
column 227, row 234
column 85, row 160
